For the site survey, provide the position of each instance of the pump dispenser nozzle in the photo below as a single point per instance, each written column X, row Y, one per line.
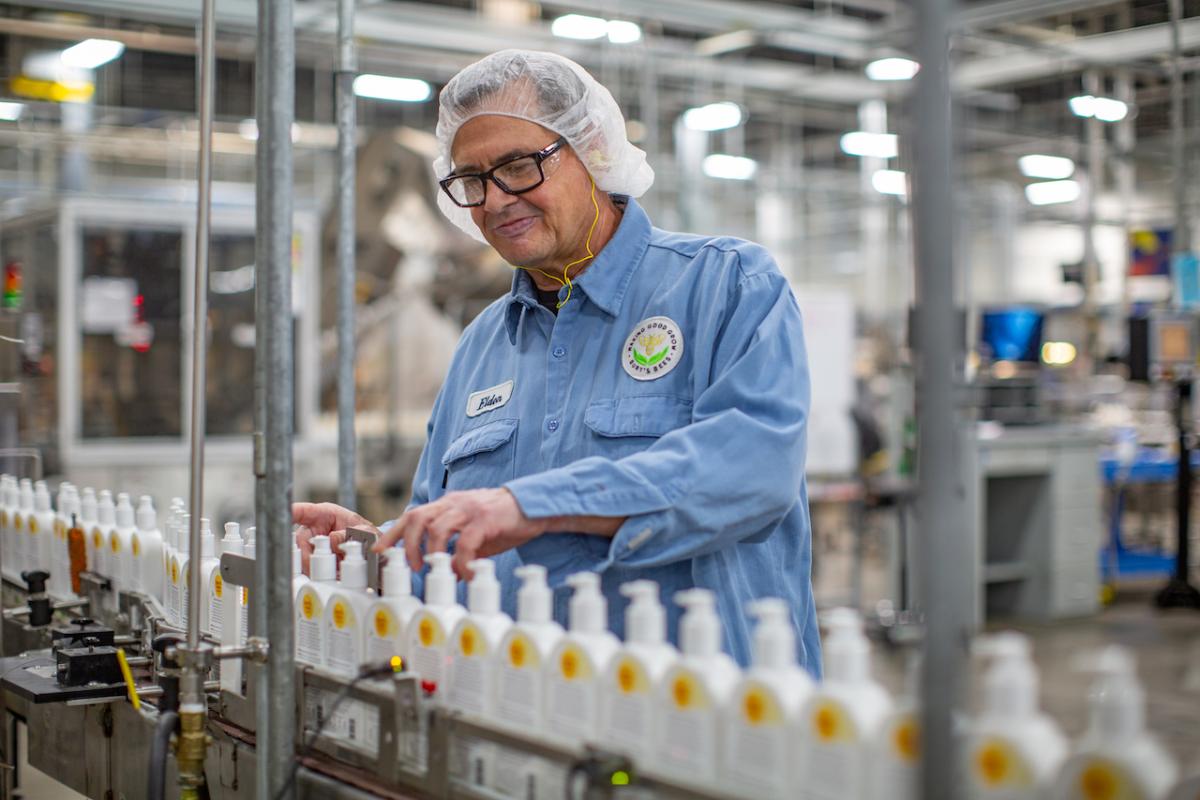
column 645, row 618
column 297, row 562
column 250, row 545
column 847, row 651
column 440, row 582
column 322, row 565
column 588, row 610
column 774, row 639
column 147, row 520
column 699, row 628
column 1011, row 683
column 208, row 542
column 1116, row 700
column 354, row 566
column 124, row 511
column 41, row 497
column 106, row 511
column 87, row 505
column 533, row 598
column 232, row 542
column 483, row 592
column 397, row 577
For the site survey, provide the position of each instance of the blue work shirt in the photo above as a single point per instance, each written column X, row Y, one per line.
column 671, row 389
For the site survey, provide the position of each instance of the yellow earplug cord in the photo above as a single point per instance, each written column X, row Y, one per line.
column 565, row 280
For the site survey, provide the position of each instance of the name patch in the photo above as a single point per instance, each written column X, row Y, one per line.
column 489, row 399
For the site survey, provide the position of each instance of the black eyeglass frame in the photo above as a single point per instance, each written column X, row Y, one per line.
column 538, row 157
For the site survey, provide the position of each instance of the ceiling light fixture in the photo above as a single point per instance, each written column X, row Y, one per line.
column 91, row 53
column 870, row 145
column 1105, row 109
column 385, row 87
column 890, row 181
column 733, row 168
column 713, row 117
column 1050, row 168
column 892, row 69
column 1052, row 192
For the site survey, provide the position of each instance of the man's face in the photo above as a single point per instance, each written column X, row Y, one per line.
column 540, row 228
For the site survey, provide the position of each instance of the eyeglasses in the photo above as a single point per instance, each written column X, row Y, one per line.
column 515, row 176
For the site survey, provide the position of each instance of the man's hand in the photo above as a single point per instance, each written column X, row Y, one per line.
column 487, row 521
column 325, row 519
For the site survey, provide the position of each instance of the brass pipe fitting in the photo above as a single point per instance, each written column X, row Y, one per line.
column 190, row 748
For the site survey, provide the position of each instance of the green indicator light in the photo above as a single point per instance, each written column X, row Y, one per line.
column 620, row 778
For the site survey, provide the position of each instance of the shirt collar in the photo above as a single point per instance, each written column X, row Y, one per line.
column 606, row 279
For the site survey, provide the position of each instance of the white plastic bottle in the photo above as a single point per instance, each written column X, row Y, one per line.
column 179, row 569
column 1013, row 749
column 474, row 644
column 391, row 612
column 576, row 667
column 249, row 549
column 59, row 585
column 520, row 681
column 106, row 522
column 41, row 529
column 87, row 521
column 209, row 564
column 120, row 546
column 430, row 628
column 843, row 716
column 231, row 613
column 230, row 542
column 627, row 712
column 764, row 713
column 26, row 554
column 897, row 749
column 346, row 614
column 694, row 693
column 5, row 525
column 146, row 544
column 1117, row 756
column 170, row 548
column 310, row 603
column 298, row 576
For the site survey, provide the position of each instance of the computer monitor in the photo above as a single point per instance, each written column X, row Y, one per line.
column 1013, row 333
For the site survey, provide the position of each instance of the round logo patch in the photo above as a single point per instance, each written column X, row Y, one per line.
column 653, row 349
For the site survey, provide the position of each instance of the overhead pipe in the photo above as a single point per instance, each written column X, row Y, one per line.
column 347, row 133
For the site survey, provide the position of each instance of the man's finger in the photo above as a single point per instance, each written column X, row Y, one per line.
column 439, row 530
column 318, row 517
column 466, row 550
column 336, row 539
column 412, row 529
column 304, row 540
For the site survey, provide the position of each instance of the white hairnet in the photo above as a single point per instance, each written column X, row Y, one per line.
column 557, row 94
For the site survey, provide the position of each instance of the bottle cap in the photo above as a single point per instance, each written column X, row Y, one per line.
column 1010, row 686
column 232, row 542
column 249, row 548
column 322, row 565
column 645, row 617
column 354, row 566
column 483, row 592
column 1116, row 699
column 87, row 505
column 699, row 628
column 183, row 536
column 440, row 582
column 124, row 511
column 774, row 639
column 847, row 651
column 41, row 497
column 106, row 512
column 397, row 577
column 297, row 561
column 533, row 598
column 588, row 610
column 26, row 494
column 208, row 542
column 147, row 520
column 62, row 498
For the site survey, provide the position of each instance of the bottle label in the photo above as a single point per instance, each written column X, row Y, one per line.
column 429, row 643
column 758, row 752
column 216, row 615
column 1103, row 779
column 572, row 685
column 135, row 546
column 904, row 739
column 308, row 628
column 97, row 538
column 18, row 522
column 344, row 647
column 33, row 526
column 471, row 669
column 689, row 728
column 114, row 542
column 381, row 638
column 518, row 699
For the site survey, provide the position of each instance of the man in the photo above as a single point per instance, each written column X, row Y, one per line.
column 636, row 406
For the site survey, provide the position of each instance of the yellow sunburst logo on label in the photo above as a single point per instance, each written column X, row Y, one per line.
column 569, row 665
column 829, row 723
column 682, row 692
column 382, row 624
column 906, row 740
column 33, row 526
column 1105, row 780
column 754, row 707
column 993, row 764
column 174, row 572
column 516, row 653
column 97, row 538
column 425, row 632
column 626, row 677
column 135, row 546
column 308, row 606
column 114, row 543
column 218, row 585
column 466, row 642
column 339, row 615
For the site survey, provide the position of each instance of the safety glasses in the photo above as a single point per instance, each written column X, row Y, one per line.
column 515, row 176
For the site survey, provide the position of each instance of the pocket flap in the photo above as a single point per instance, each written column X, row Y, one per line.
column 480, row 440
column 640, row 415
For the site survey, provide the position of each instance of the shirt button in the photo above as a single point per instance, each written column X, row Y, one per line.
column 552, row 425
column 559, row 352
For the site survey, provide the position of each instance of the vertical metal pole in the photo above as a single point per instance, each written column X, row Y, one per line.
column 259, row 676
column 200, row 321
column 944, row 530
column 347, row 131
column 1125, row 176
column 273, row 570
column 1179, row 154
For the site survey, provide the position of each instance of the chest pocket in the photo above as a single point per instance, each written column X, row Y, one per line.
column 625, row 425
column 482, row 458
